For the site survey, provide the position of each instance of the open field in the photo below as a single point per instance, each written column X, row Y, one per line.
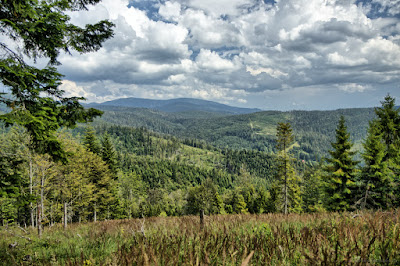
column 368, row 238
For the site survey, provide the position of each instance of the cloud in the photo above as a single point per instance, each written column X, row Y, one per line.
column 212, row 61
column 352, row 88
column 213, row 49
column 269, row 71
column 170, row 11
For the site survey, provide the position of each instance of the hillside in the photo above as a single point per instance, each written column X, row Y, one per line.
column 176, row 105
column 314, row 130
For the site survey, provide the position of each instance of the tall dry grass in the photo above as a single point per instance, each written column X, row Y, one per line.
column 369, row 238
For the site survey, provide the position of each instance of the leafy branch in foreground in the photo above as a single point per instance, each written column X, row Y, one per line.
column 41, row 29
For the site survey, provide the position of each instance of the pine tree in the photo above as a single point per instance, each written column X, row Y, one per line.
column 288, row 180
column 340, row 171
column 376, row 179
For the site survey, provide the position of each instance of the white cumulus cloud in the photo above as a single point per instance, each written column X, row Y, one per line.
column 214, row 49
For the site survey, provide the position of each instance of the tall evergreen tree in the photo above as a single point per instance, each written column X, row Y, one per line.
column 108, row 154
column 90, row 140
column 389, row 123
column 376, row 179
column 289, row 181
column 388, row 117
column 340, row 171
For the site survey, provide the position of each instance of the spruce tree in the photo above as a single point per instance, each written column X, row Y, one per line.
column 389, row 123
column 288, row 180
column 340, row 171
column 388, row 117
column 108, row 154
column 90, row 141
column 376, row 179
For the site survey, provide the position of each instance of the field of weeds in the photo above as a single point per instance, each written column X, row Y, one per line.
column 368, row 238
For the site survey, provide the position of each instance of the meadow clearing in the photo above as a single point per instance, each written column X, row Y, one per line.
column 365, row 238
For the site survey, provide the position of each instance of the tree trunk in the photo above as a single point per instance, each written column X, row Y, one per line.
column 286, row 190
column 39, row 220
column 65, row 215
column 365, row 198
column 95, row 214
column 41, row 197
column 201, row 219
column 31, row 192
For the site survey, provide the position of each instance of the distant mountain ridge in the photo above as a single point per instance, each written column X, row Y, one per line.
column 177, row 105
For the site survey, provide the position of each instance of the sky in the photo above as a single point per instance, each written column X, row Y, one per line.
column 272, row 55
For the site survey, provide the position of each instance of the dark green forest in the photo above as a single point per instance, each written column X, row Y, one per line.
column 282, row 162
column 313, row 130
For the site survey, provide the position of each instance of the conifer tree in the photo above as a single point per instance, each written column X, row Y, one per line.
column 376, row 179
column 389, row 123
column 340, row 171
column 313, row 190
column 388, row 117
column 288, row 180
column 90, row 141
column 108, row 154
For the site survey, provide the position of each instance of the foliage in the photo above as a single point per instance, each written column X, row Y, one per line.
column 314, row 130
column 340, row 171
column 375, row 177
column 312, row 190
column 389, row 122
column 41, row 29
column 90, row 141
column 108, row 154
column 13, row 192
column 204, row 197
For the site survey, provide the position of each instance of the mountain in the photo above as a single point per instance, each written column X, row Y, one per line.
column 177, row 105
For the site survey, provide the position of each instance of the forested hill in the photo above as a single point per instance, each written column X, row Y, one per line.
column 313, row 130
column 177, row 105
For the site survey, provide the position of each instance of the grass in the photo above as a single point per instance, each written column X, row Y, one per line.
column 369, row 238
